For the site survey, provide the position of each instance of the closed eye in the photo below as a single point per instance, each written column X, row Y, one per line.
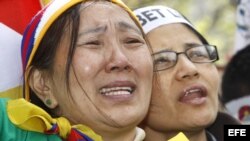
column 132, row 41
column 92, row 43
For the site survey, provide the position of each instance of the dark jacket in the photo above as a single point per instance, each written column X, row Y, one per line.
column 217, row 128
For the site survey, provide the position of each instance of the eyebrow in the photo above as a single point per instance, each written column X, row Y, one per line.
column 190, row 45
column 94, row 30
column 186, row 46
column 123, row 26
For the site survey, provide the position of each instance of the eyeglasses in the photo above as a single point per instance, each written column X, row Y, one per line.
column 166, row 59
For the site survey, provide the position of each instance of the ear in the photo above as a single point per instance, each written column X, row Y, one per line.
column 41, row 85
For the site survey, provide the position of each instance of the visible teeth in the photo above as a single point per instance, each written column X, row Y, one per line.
column 191, row 91
column 116, row 91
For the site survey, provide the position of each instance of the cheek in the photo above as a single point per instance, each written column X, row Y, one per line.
column 82, row 75
column 213, row 78
column 86, row 69
column 165, row 82
column 161, row 88
column 216, row 85
column 142, row 63
column 84, row 65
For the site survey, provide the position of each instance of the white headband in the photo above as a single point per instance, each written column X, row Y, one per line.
column 152, row 17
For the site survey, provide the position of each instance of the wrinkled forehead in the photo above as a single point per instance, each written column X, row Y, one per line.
column 103, row 14
column 97, row 4
column 95, row 8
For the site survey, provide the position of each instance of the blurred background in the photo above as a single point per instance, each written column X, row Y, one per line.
column 215, row 19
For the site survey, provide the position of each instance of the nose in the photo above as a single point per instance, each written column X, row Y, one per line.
column 118, row 61
column 185, row 69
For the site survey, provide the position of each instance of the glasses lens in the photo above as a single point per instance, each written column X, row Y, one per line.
column 213, row 54
column 164, row 60
column 202, row 54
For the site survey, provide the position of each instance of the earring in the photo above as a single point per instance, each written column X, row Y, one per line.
column 48, row 102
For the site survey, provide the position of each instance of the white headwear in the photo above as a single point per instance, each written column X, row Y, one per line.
column 152, row 17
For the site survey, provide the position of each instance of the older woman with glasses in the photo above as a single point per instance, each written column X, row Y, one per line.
column 185, row 93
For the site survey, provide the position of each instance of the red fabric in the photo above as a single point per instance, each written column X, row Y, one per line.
column 75, row 136
column 16, row 14
column 244, row 112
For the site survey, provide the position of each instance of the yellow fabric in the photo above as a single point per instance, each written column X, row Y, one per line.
column 45, row 2
column 179, row 137
column 12, row 93
column 30, row 117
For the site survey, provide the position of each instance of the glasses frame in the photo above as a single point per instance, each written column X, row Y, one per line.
column 185, row 53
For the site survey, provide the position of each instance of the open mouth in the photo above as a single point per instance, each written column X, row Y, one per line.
column 116, row 91
column 194, row 95
column 197, row 91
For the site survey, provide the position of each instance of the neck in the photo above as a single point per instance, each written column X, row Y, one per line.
column 151, row 134
column 115, row 135
column 112, row 132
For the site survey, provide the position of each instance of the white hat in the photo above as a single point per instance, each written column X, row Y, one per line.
column 152, row 17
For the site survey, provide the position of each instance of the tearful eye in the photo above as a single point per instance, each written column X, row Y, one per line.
column 92, row 43
column 132, row 41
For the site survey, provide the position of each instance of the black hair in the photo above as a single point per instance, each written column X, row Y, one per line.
column 236, row 77
column 45, row 54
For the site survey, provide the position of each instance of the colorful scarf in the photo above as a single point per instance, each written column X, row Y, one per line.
column 30, row 117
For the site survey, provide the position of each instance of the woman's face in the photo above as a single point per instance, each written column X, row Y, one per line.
column 186, row 95
column 111, row 71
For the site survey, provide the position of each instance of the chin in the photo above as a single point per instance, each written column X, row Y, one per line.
column 205, row 120
column 127, row 123
column 128, row 119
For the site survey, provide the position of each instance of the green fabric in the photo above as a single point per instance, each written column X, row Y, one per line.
column 9, row 132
